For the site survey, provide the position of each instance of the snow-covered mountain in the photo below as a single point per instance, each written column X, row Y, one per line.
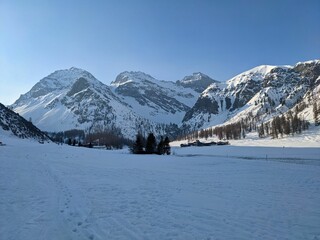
column 159, row 101
column 197, row 81
column 12, row 123
column 74, row 99
column 263, row 92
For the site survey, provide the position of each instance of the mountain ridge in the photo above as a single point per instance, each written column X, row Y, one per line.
column 275, row 90
column 136, row 101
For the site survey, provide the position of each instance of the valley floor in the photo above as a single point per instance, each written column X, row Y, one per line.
column 222, row 192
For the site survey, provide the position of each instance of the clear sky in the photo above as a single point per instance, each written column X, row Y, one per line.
column 167, row 39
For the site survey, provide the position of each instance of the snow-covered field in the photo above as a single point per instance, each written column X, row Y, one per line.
column 222, row 192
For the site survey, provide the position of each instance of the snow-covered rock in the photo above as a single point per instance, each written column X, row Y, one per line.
column 156, row 100
column 197, row 81
column 264, row 91
column 12, row 124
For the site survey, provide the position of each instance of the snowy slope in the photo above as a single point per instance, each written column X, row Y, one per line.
column 159, row 101
column 12, row 124
column 227, row 192
column 263, row 92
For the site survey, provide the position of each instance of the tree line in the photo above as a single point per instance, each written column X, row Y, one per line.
column 283, row 125
column 286, row 124
column 111, row 138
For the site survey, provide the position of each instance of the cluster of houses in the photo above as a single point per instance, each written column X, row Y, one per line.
column 201, row 144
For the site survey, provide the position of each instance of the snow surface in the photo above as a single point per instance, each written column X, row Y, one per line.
column 223, row 192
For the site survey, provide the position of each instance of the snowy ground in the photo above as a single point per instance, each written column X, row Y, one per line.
column 222, row 192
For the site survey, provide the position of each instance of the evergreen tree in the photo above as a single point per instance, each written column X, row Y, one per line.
column 315, row 113
column 278, row 125
column 267, row 128
column 167, row 148
column 295, row 124
column 161, row 147
column 286, row 128
column 151, row 144
column 261, row 130
column 274, row 130
column 137, row 147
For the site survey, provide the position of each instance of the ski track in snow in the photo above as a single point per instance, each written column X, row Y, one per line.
column 60, row 192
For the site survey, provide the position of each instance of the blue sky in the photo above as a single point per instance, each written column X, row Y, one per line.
column 166, row 39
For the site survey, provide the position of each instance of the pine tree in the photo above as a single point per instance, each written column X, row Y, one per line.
column 151, row 144
column 161, row 147
column 278, row 125
column 286, row 128
column 267, row 128
column 167, row 148
column 315, row 113
column 274, row 130
column 261, row 130
column 137, row 147
column 295, row 124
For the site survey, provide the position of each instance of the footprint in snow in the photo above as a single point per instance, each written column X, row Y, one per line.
column 91, row 237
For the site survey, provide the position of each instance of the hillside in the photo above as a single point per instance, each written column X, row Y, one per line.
column 13, row 124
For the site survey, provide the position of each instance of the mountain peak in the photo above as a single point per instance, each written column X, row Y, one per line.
column 197, row 81
column 132, row 76
column 75, row 69
column 315, row 61
column 255, row 74
column 197, row 76
column 58, row 80
column 62, row 78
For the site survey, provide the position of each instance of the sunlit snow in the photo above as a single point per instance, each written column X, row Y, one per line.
column 223, row 192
